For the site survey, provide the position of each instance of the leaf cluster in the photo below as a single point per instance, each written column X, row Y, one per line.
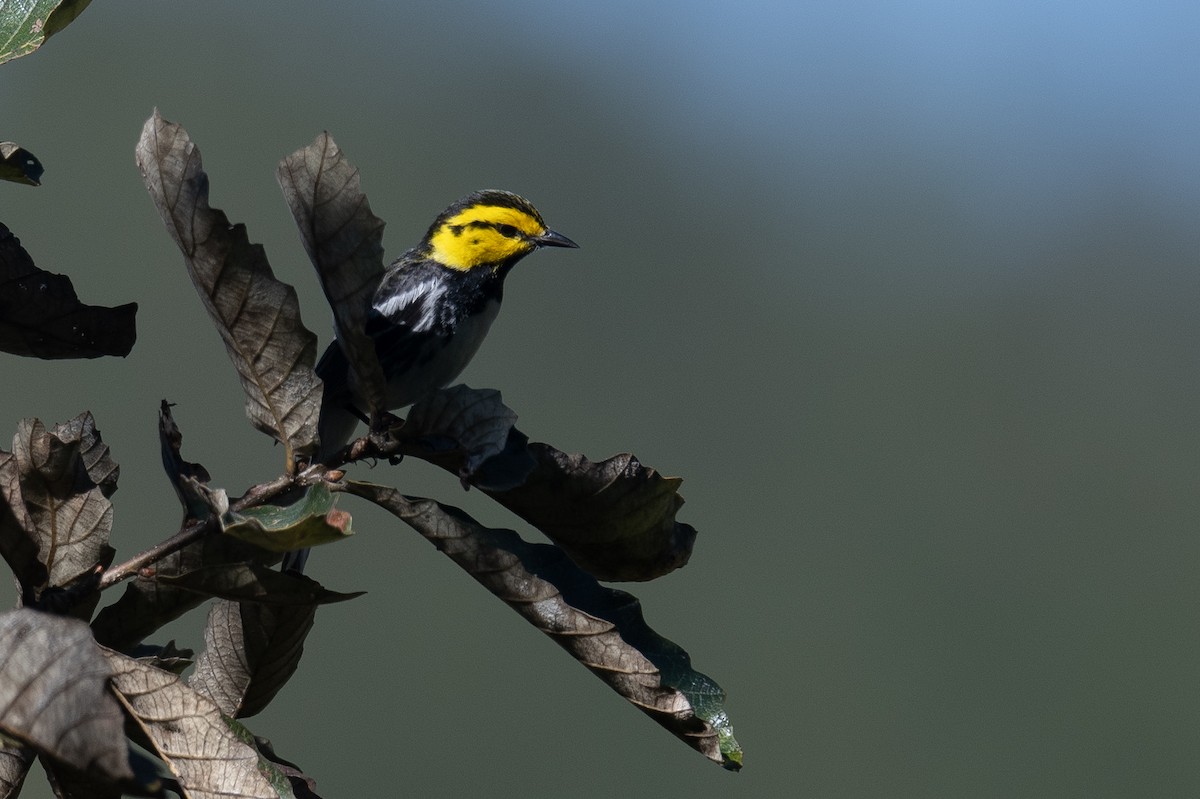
column 79, row 686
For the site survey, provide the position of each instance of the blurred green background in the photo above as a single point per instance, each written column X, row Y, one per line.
column 906, row 292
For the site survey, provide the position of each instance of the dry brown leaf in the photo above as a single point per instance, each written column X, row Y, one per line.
column 42, row 317
column 600, row 627
column 54, row 694
column 344, row 241
column 212, row 756
column 257, row 316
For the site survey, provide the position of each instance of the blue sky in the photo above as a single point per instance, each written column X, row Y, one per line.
column 1066, row 87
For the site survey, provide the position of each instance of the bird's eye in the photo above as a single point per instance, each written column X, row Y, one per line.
column 508, row 230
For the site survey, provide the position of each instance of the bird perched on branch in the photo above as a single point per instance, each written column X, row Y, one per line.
column 433, row 308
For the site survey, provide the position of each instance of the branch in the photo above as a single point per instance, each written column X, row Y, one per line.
column 190, row 533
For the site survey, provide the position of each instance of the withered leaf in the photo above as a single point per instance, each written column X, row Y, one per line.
column 183, row 474
column 601, row 627
column 303, row 786
column 148, row 602
column 477, row 426
column 254, row 582
column 344, row 241
column 42, row 317
column 257, row 316
column 97, row 459
column 167, row 657
column 66, row 509
column 212, row 756
column 250, row 651
column 54, row 694
column 224, row 565
column 18, row 535
column 19, row 165
column 69, row 784
column 615, row 518
column 14, row 765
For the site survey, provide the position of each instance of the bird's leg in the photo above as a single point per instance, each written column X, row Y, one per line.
column 381, row 425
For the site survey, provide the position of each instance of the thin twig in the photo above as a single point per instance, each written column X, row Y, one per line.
column 193, row 532
column 123, row 571
column 376, row 445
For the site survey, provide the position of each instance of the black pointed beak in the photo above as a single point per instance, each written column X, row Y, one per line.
column 552, row 239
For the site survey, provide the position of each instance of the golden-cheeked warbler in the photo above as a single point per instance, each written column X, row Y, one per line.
column 433, row 308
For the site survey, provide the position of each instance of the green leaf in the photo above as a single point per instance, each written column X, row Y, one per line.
column 18, row 165
column 308, row 522
column 600, row 627
column 344, row 241
column 42, row 317
column 25, row 26
column 257, row 315
column 64, row 14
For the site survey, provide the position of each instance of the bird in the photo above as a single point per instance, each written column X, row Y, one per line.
column 432, row 309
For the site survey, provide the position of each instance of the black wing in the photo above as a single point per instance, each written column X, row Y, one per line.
column 406, row 318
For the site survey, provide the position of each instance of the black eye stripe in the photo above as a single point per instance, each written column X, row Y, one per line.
column 506, row 230
column 510, row 231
